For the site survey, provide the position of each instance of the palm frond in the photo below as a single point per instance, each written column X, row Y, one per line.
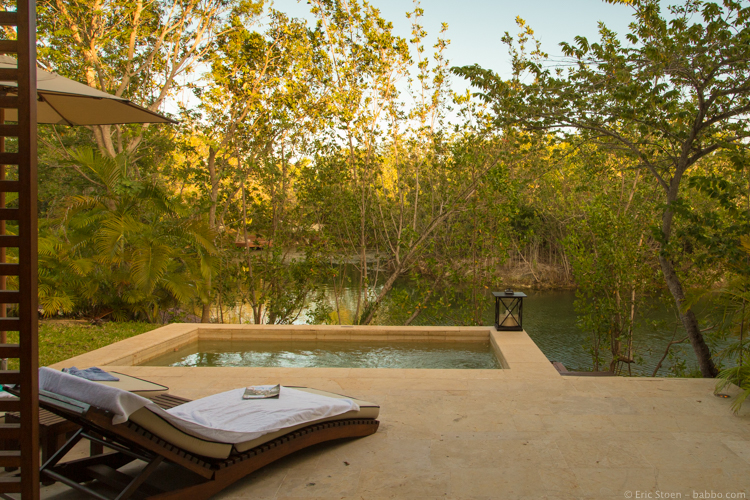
column 53, row 300
column 109, row 171
column 82, row 266
column 202, row 235
column 738, row 376
column 149, row 265
column 113, row 231
column 179, row 287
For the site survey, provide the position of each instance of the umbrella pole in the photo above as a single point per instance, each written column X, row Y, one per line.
column 3, row 279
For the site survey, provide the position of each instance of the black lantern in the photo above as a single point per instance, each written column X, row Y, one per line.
column 509, row 310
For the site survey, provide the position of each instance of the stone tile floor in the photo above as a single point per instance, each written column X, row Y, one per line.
column 505, row 434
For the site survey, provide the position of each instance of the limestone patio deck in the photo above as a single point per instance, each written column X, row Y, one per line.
column 521, row 432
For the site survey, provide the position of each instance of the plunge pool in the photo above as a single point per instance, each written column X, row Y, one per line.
column 331, row 354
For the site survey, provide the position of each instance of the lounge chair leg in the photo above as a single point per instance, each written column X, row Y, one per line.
column 95, row 448
column 64, row 449
column 103, row 468
column 75, row 485
column 80, row 470
column 140, row 478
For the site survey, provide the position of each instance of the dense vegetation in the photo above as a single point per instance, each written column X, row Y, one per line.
column 622, row 169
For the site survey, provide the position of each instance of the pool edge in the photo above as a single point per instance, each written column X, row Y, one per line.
column 515, row 351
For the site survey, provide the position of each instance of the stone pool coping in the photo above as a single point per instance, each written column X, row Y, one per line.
column 518, row 434
column 515, row 350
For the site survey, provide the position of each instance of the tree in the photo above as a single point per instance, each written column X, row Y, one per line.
column 612, row 257
column 134, row 49
column 679, row 92
column 125, row 249
column 363, row 60
column 258, row 104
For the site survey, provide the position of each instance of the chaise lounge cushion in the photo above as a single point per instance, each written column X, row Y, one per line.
column 213, row 426
column 213, row 449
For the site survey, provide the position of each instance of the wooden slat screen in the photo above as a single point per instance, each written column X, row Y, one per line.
column 18, row 256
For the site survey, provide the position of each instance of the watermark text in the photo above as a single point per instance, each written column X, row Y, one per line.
column 703, row 494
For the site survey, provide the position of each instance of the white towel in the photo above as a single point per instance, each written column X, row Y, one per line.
column 224, row 417
column 121, row 403
column 227, row 418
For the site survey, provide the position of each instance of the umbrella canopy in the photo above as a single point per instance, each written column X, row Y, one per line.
column 67, row 102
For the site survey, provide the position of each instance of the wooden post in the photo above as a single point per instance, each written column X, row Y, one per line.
column 3, row 279
column 27, row 251
column 22, row 180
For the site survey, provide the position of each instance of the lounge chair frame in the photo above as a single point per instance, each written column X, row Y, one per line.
column 132, row 442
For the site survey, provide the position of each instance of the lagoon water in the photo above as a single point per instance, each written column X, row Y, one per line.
column 550, row 320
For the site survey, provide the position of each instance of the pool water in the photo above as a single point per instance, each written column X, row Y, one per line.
column 309, row 354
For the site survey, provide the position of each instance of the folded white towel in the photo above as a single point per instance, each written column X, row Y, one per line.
column 224, row 417
column 121, row 403
column 228, row 418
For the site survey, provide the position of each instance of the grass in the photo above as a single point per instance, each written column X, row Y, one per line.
column 63, row 339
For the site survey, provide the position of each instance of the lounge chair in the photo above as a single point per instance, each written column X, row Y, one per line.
column 218, row 455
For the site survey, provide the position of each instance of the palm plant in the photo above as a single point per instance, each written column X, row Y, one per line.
column 125, row 249
column 737, row 298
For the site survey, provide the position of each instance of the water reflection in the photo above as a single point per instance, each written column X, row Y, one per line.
column 307, row 354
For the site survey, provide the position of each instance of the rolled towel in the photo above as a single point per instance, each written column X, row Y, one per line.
column 93, row 373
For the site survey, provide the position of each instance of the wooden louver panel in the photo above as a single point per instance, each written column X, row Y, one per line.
column 18, row 256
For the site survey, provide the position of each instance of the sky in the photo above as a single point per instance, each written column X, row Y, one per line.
column 476, row 26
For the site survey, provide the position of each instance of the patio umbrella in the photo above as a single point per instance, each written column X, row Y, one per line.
column 67, row 102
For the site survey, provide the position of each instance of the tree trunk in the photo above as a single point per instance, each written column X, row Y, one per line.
column 253, row 296
column 372, row 308
column 689, row 321
column 614, row 342
column 214, row 179
column 206, row 316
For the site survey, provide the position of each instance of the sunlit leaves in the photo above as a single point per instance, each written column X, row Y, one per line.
column 127, row 250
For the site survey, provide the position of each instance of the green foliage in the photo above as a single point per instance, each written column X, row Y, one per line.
column 738, row 376
column 280, row 286
column 735, row 298
column 614, row 266
column 676, row 94
column 126, row 249
column 717, row 214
